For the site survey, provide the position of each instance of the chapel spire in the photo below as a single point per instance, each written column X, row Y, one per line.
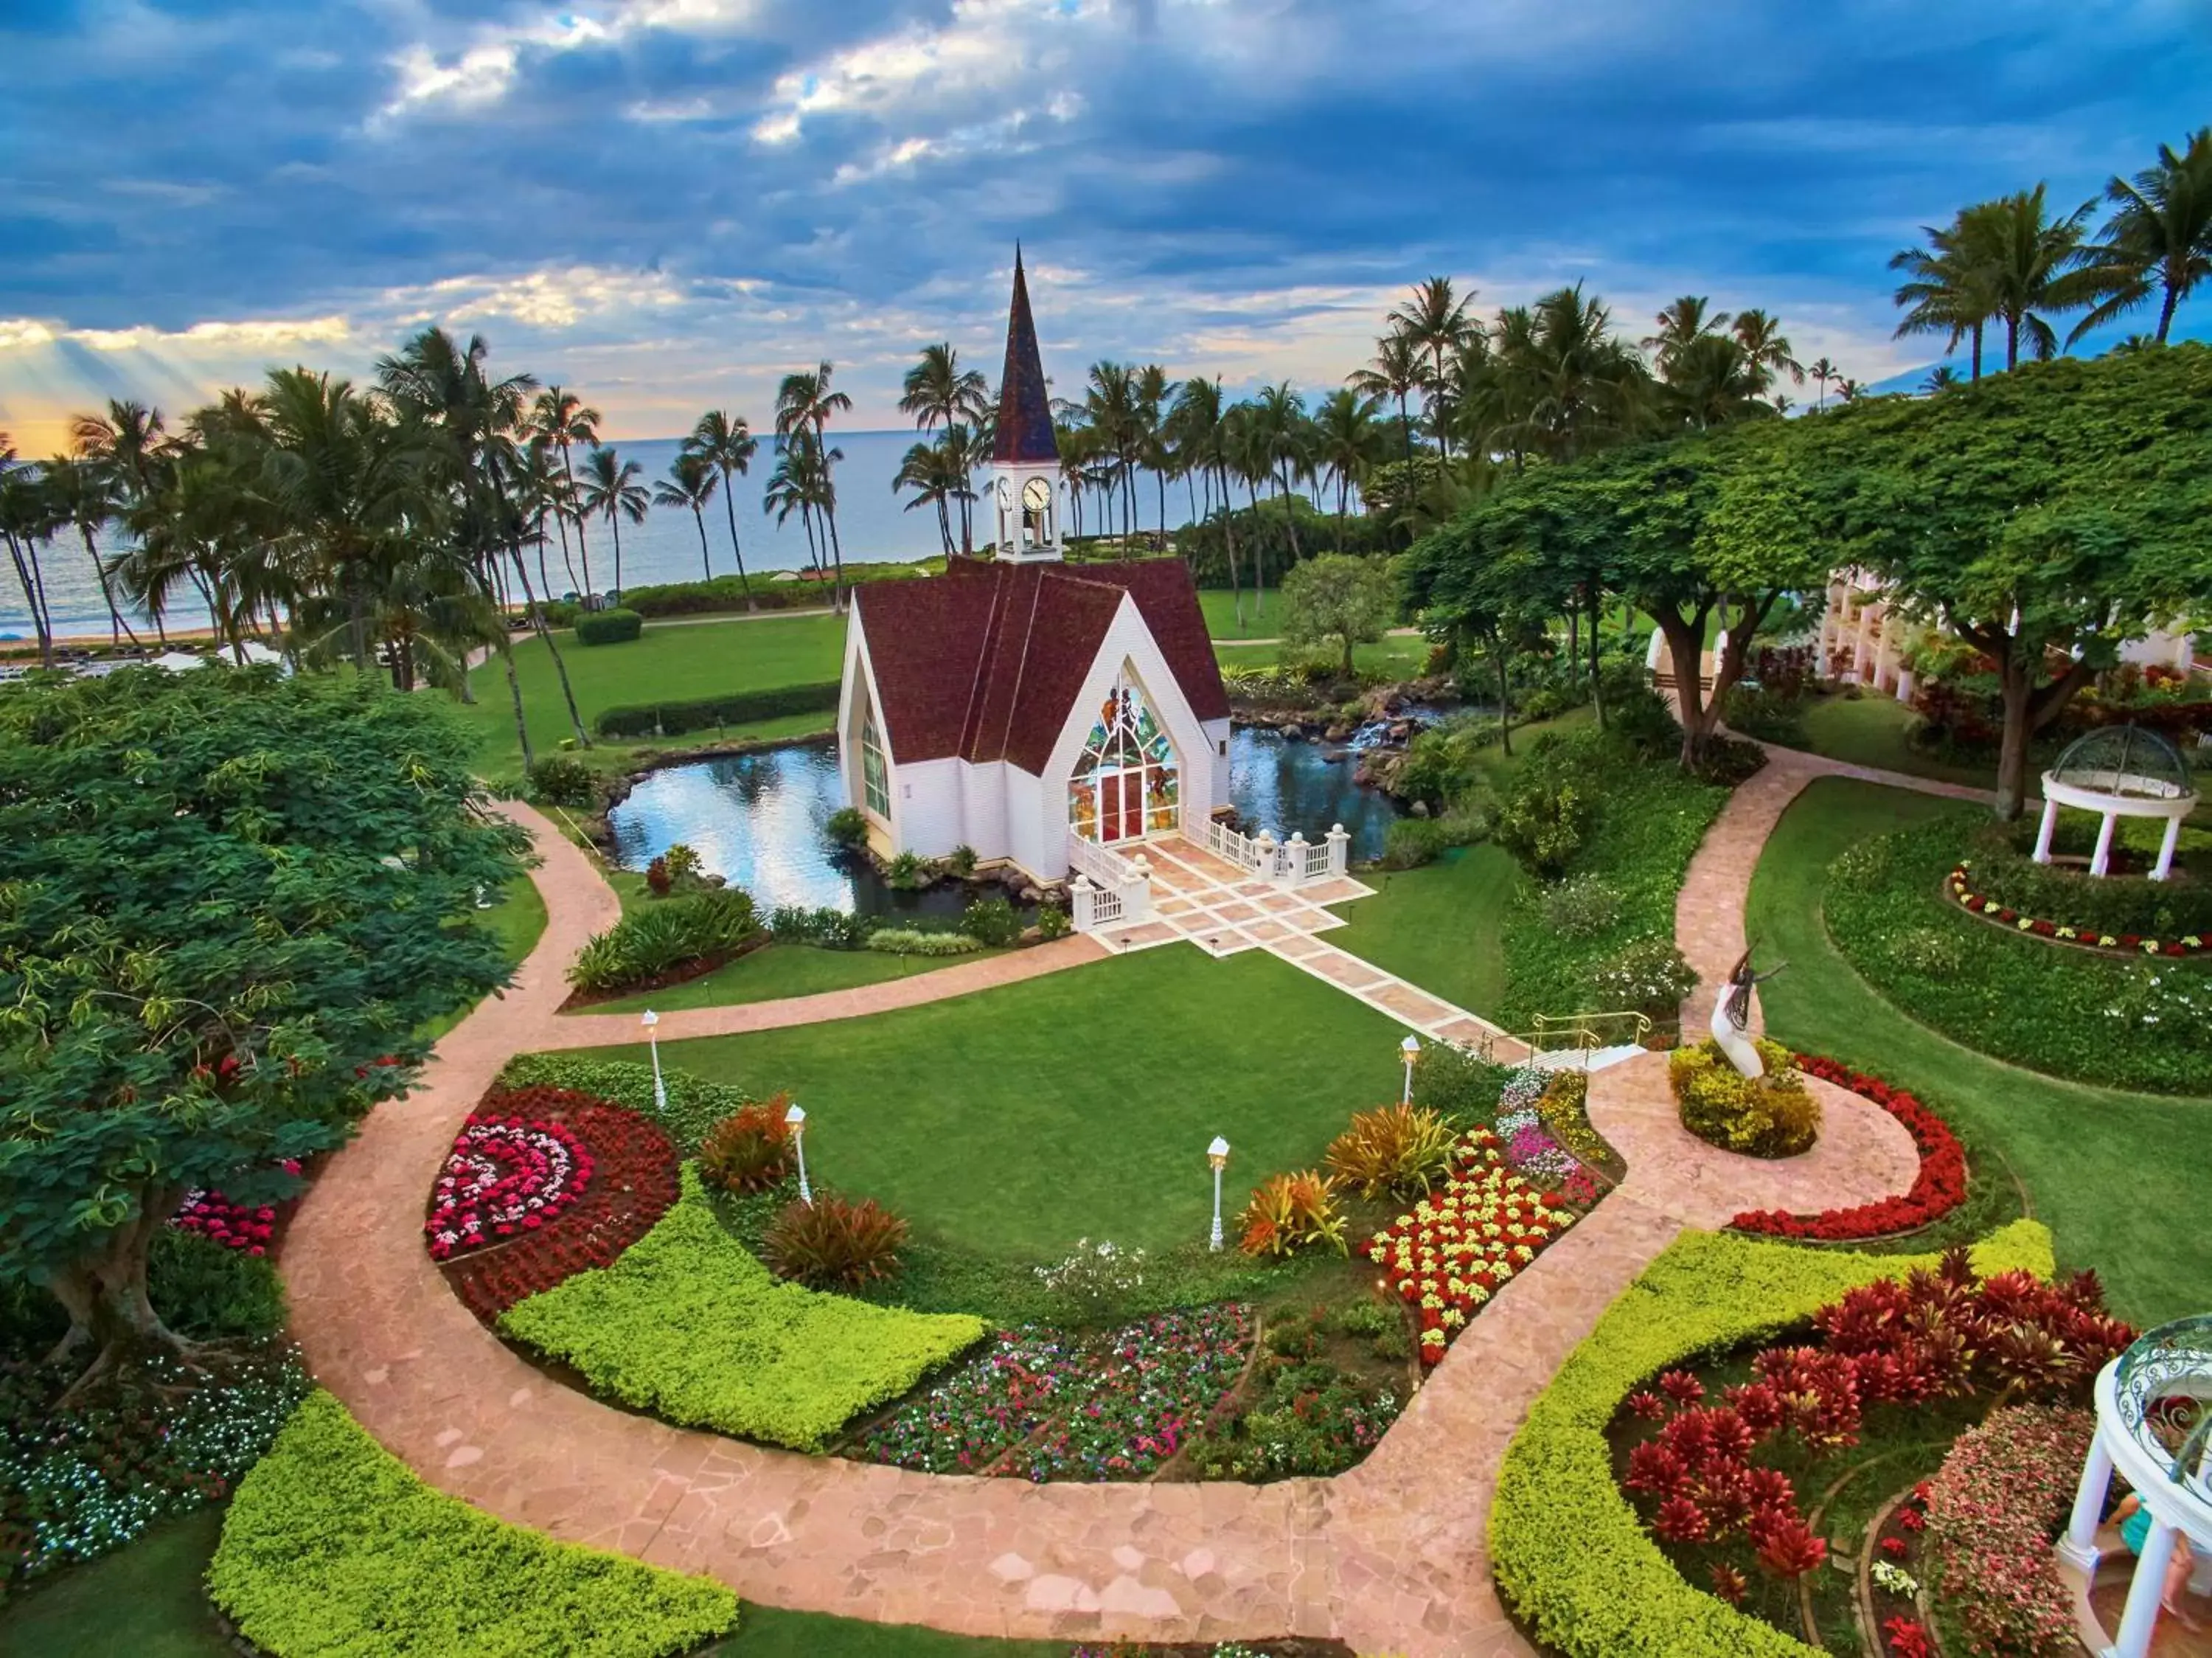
column 1025, row 432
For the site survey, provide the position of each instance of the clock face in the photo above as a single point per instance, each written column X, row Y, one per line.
column 1005, row 492
column 1036, row 495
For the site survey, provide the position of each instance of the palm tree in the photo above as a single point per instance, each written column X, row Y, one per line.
column 1822, row 372
column 2158, row 239
column 1111, row 402
column 2029, row 258
column 728, row 441
column 1941, row 377
column 1849, row 390
column 1248, row 455
column 1437, row 320
column 805, row 403
column 926, row 469
column 1394, row 373
column 938, row 391
column 1281, row 428
column 1151, row 391
column 1558, row 379
column 691, row 482
column 1200, row 434
column 560, row 418
column 1712, row 380
column 85, row 494
column 1683, row 322
column 611, row 489
column 27, row 519
column 1765, row 345
column 1344, row 442
column 966, row 448
column 1948, row 290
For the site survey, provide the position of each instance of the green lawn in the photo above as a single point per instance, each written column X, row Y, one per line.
column 1871, row 730
column 1439, row 927
column 671, row 661
column 1402, row 656
column 781, row 970
column 1016, row 1120
column 142, row 1602
column 2119, row 1177
column 766, row 1632
column 1263, row 614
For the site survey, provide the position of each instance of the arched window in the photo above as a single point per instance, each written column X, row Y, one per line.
column 1125, row 782
column 875, row 774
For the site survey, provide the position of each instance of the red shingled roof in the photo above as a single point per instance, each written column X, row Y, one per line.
column 985, row 661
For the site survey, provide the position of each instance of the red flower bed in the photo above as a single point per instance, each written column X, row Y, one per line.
column 1957, row 884
column 1939, row 1188
column 232, row 1225
column 621, row 1179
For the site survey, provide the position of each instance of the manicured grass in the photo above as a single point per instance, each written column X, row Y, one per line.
column 1871, row 729
column 2119, row 1177
column 1263, row 614
column 1401, row 656
column 1019, row 1120
column 144, row 1600
column 1439, row 927
column 669, row 660
column 781, row 970
column 767, row 1632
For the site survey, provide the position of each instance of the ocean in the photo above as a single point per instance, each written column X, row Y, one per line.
column 871, row 525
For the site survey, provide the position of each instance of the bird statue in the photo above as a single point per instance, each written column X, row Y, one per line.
column 1732, row 1014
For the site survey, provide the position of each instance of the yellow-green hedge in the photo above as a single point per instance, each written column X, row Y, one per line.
column 1769, row 1116
column 1572, row 1557
column 688, row 1325
column 333, row 1549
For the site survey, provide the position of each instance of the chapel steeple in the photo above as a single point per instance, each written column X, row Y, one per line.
column 1025, row 484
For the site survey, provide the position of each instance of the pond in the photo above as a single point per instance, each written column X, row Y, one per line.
column 756, row 820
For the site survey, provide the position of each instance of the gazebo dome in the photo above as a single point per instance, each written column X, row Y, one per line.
column 2124, row 760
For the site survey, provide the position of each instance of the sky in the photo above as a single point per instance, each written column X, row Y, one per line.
column 667, row 205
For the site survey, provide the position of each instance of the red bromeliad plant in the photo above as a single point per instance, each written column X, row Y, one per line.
column 1705, row 1476
column 1939, row 1188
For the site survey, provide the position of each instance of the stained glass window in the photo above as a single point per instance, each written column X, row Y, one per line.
column 875, row 775
column 1125, row 784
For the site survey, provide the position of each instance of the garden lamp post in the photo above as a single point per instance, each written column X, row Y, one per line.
column 795, row 1119
column 1218, row 1155
column 1412, row 1050
column 660, row 1088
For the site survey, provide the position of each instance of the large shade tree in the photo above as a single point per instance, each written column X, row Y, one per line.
column 230, row 902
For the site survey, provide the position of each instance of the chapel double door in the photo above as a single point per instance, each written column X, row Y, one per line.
column 1121, row 806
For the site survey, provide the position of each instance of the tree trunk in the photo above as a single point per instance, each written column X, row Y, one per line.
column 560, row 524
column 559, row 667
column 115, row 621
column 2012, row 750
column 614, row 524
column 700, row 519
column 514, row 691
column 104, row 1292
column 583, row 549
column 1505, row 695
column 1978, row 352
column 2166, row 311
column 1685, row 647
column 2012, row 344
column 1229, row 533
column 837, row 554
column 1290, row 514
column 1574, row 642
column 31, row 600
column 730, row 508
column 1597, row 689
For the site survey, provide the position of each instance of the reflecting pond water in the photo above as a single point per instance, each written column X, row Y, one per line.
column 757, row 820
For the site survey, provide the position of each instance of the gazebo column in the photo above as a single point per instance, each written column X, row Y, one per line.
column 2078, row 1547
column 2144, row 1589
column 2165, row 866
column 2043, row 834
column 2102, row 863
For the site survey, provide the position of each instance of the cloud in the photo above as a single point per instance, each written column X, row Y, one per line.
column 269, row 335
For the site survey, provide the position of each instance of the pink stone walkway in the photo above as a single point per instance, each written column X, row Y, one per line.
column 1390, row 1557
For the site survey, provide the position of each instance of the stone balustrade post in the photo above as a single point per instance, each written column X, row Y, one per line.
column 1294, row 859
column 1340, row 850
column 1083, row 904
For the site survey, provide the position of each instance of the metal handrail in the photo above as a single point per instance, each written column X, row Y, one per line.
column 1586, row 1029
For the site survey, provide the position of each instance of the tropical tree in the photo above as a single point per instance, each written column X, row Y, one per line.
column 559, row 419
column 1282, row 433
column 26, row 520
column 1765, row 346
column 2030, row 258
column 1556, row 380
column 2157, row 241
column 1394, row 373
column 805, row 402
column 728, row 441
column 1198, row 425
column 86, row 495
column 690, row 482
column 1111, row 407
column 927, row 470
column 1941, row 377
column 611, row 489
column 938, row 393
column 1344, row 442
column 1822, row 371
column 238, row 899
column 1333, row 596
column 1679, row 326
column 1437, row 320
column 1949, row 289
column 1712, row 380
column 1152, row 391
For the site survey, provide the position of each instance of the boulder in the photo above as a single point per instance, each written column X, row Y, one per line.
column 1292, row 731
column 1336, row 733
column 1419, row 809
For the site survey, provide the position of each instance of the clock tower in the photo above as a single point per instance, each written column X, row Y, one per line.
column 1023, row 492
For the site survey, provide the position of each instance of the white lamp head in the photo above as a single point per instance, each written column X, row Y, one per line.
column 795, row 1117
column 650, row 1019
column 1217, row 1153
column 1411, row 1048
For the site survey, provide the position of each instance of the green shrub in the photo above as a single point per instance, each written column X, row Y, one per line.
column 333, row 1545
column 212, row 1293
column 908, row 941
column 2066, row 1012
column 1583, row 907
column 960, row 863
column 2002, row 869
column 694, row 1105
column 834, row 1242
column 992, row 920
column 1648, row 976
column 1769, row 1116
column 1409, row 842
column 1543, row 824
column 1398, row 1149
column 650, row 943
column 825, row 929
column 847, row 827
column 562, row 780
column 1053, row 922
column 559, row 612
column 1767, row 715
column 908, row 872
column 1572, row 1557
column 609, row 627
column 688, row 1325
column 750, row 1151
column 727, row 593
column 1459, row 1085
column 670, row 719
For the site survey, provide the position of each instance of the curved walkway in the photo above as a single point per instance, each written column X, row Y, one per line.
column 1390, row 1557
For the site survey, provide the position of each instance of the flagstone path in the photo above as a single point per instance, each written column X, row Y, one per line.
column 1390, row 1557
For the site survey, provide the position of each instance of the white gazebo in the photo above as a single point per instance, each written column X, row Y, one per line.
column 2119, row 772
column 2154, row 1412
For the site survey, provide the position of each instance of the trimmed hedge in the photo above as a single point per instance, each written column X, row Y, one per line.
column 332, row 1546
column 694, row 1105
column 688, row 1325
column 2143, row 1025
column 2004, row 870
column 1570, row 1555
column 733, row 708
column 726, row 593
column 905, row 941
column 609, row 627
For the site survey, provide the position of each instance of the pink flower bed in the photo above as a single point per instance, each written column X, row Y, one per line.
column 234, row 1226
column 506, row 1175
